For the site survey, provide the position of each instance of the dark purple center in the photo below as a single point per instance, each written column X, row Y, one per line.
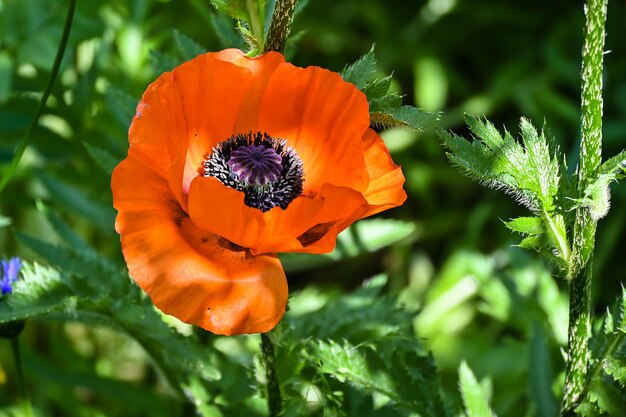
column 256, row 165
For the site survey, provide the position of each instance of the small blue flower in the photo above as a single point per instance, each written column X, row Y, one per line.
column 10, row 274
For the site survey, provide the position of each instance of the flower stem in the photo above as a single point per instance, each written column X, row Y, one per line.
column 44, row 97
column 274, row 398
column 280, row 26
column 21, row 383
column 585, row 226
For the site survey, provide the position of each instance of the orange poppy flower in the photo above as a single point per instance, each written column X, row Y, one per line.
column 233, row 159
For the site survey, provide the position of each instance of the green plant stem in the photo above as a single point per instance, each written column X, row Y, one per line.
column 280, row 26
column 274, row 397
column 257, row 21
column 44, row 97
column 584, row 226
column 21, row 382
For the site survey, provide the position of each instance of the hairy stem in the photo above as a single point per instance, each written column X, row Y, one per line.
column 280, row 26
column 274, row 398
column 21, row 382
column 44, row 97
column 585, row 227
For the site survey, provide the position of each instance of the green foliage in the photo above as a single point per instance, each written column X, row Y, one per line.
column 357, row 345
column 393, row 367
column 475, row 395
column 40, row 290
column 605, row 391
column 530, row 171
column 234, row 8
column 187, row 47
column 386, row 109
column 615, row 166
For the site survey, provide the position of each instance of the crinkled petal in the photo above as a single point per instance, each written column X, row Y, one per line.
column 194, row 275
column 386, row 180
column 221, row 210
column 323, row 118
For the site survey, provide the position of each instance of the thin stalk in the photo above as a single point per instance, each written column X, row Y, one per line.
column 274, row 397
column 257, row 23
column 21, row 382
column 584, row 226
column 281, row 25
column 44, row 97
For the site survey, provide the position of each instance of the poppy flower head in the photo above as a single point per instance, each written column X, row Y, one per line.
column 232, row 160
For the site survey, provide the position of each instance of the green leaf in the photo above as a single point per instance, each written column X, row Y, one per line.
column 65, row 232
column 606, row 384
column 526, row 225
column 475, row 397
column 162, row 62
column 167, row 347
column 234, row 8
column 363, row 237
column 96, row 276
column 76, row 201
column 121, row 104
column 39, row 290
column 103, row 158
column 615, row 166
column 362, row 72
column 407, row 116
column 359, row 316
column 395, row 367
column 187, row 47
column 530, row 171
column 386, row 110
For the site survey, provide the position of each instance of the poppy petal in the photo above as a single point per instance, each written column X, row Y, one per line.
column 323, row 118
column 219, row 209
column 189, row 273
column 386, row 179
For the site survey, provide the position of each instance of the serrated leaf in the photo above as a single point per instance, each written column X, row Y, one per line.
column 386, row 110
column 39, row 290
column 121, row 104
column 362, row 72
column 615, row 166
column 162, row 62
column 377, row 88
column 607, row 374
column 72, row 198
column 234, row 8
column 359, row 316
column 526, row 225
column 531, row 173
column 407, row 116
column 475, row 399
column 394, row 367
column 362, row 237
column 103, row 158
column 187, row 47
column 97, row 277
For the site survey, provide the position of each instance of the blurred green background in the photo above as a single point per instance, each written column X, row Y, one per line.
column 479, row 297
